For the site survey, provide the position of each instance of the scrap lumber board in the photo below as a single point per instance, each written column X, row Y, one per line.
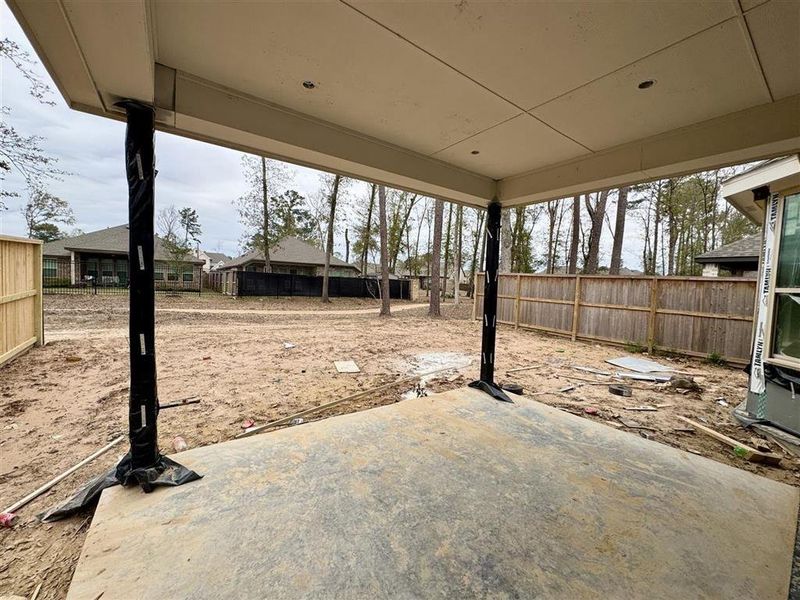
column 739, row 448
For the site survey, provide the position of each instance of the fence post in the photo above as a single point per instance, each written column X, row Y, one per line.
column 38, row 285
column 474, row 295
column 516, row 301
column 576, row 308
column 651, row 323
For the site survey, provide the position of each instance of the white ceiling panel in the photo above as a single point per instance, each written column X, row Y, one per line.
column 517, row 49
column 367, row 78
column 516, row 146
column 706, row 76
column 775, row 28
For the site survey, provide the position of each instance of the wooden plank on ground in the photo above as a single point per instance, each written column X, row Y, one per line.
column 739, row 448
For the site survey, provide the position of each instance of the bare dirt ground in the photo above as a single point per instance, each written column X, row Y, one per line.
column 61, row 402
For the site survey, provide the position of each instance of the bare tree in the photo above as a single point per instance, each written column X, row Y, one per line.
column 366, row 233
column 457, row 255
column 385, row 303
column 18, row 152
column 447, row 249
column 575, row 236
column 329, row 245
column 434, row 309
column 597, row 213
column 619, row 232
column 476, row 242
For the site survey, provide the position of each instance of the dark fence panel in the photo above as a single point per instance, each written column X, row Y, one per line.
column 252, row 283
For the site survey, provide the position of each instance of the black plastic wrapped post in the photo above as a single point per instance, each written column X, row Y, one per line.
column 489, row 333
column 144, row 464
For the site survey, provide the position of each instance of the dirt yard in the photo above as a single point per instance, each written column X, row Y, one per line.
column 61, row 402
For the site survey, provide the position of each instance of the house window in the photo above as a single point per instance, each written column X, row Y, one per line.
column 50, row 268
column 188, row 276
column 786, row 304
column 158, row 276
column 172, row 277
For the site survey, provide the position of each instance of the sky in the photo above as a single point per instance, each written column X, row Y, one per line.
column 192, row 174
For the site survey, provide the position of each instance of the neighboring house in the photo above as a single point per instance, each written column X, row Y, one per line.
column 103, row 256
column 291, row 255
column 737, row 259
column 212, row 261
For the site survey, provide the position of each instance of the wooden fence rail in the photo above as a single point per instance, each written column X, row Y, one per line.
column 696, row 316
column 21, row 323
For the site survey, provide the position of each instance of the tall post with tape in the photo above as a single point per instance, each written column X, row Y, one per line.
column 489, row 324
column 144, row 464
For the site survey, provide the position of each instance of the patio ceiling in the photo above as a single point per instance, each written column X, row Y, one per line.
column 460, row 100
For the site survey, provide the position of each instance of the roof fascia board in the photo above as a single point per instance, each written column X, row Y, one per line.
column 765, row 131
column 204, row 110
column 761, row 176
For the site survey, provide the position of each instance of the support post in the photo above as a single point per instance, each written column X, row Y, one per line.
column 489, row 333
column 144, row 464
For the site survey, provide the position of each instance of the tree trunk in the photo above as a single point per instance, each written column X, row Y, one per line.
column 457, row 257
column 434, row 309
column 346, row 246
column 447, row 250
column 416, row 245
column 619, row 232
column 575, row 238
column 506, row 241
column 400, row 233
column 598, row 214
column 385, row 303
column 329, row 247
column 475, row 245
column 265, row 220
column 365, row 236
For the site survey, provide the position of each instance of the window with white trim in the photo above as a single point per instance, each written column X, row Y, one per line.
column 786, row 300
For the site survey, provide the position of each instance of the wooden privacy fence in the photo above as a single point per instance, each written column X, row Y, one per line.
column 697, row 316
column 21, row 324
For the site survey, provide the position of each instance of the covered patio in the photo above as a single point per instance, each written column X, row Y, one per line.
column 488, row 105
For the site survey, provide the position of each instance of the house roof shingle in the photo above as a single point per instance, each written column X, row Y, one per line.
column 218, row 256
column 289, row 250
column 112, row 240
column 745, row 249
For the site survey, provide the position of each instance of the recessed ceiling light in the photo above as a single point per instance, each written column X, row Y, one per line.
column 309, row 85
column 475, row 152
column 647, row 83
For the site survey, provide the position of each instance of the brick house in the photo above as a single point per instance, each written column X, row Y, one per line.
column 292, row 255
column 101, row 257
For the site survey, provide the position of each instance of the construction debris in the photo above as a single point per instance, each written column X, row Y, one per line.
column 346, row 366
column 179, row 444
column 619, row 389
column 639, row 365
column 286, row 420
column 684, row 383
column 630, row 424
column 289, row 345
column 739, row 449
column 643, row 376
column 640, row 408
column 41, row 490
column 517, row 370
column 181, row 402
column 591, row 370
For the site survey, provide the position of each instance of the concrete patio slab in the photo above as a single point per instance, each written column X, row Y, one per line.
column 453, row 495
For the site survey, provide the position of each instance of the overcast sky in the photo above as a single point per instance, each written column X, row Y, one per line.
column 190, row 173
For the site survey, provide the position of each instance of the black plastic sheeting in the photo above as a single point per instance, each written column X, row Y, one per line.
column 254, row 283
column 167, row 473
column 144, row 464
